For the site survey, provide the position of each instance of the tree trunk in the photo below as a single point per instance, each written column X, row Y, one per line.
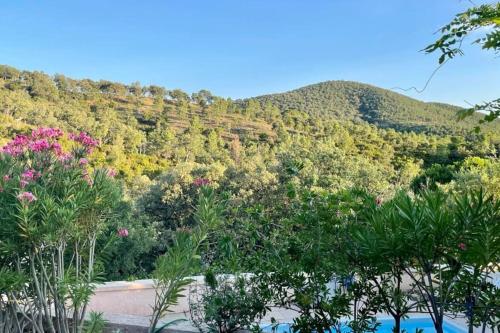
column 438, row 326
column 397, row 324
column 471, row 327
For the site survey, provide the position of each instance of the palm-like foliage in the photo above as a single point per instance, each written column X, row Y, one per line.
column 378, row 255
column 174, row 267
column 448, row 246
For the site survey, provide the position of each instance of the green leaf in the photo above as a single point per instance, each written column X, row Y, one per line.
column 168, row 324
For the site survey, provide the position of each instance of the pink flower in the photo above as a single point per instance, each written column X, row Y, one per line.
column 40, row 140
column 6, row 178
column 56, row 147
column 26, row 197
column 42, row 132
column 84, row 139
column 198, row 182
column 64, row 157
column 30, row 174
column 122, row 232
column 462, row 246
column 83, row 161
column 16, row 146
column 39, row 145
column 20, row 140
column 112, row 173
column 13, row 151
column 27, row 176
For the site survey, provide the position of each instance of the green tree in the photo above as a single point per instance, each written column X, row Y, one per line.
column 203, row 98
column 252, row 108
column 161, row 138
column 178, row 95
column 41, row 85
column 158, row 93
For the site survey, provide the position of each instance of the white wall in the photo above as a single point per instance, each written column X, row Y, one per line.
column 133, row 298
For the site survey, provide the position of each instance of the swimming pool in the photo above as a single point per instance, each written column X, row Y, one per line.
column 386, row 326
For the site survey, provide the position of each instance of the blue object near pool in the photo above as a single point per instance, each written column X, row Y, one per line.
column 410, row 325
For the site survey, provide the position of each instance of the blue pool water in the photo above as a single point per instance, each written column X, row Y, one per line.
column 386, row 326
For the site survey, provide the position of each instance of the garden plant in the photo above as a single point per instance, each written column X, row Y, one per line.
column 54, row 208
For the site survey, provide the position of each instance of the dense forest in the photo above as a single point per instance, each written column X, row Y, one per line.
column 259, row 153
column 356, row 101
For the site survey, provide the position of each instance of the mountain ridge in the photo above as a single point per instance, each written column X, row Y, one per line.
column 355, row 101
column 334, row 99
column 352, row 82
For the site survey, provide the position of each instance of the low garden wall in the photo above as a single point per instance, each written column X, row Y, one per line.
column 127, row 306
column 133, row 298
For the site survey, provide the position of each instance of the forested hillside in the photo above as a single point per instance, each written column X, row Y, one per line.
column 356, row 101
column 260, row 153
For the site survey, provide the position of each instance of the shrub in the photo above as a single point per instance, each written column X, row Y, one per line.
column 227, row 304
column 54, row 207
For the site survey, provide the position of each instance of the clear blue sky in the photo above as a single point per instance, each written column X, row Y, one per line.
column 241, row 48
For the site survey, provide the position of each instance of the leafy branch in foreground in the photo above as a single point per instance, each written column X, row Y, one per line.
column 492, row 110
column 450, row 45
column 454, row 33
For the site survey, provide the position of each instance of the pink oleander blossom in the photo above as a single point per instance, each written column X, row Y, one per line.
column 20, row 140
column 30, row 175
column 122, row 232
column 64, row 157
column 6, row 178
column 56, row 147
column 84, row 139
column 13, row 151
column 39, row 145
column 23, row 183
column 40, row 140
column 111, row 173
column 198, row 182
column 44, row 132
column 462, row 246
column 26, row 197
column 83, row 161
column 17, row 146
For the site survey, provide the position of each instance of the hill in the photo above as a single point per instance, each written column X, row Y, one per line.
column 146, row 131
column 262, row 154
column 384, row 108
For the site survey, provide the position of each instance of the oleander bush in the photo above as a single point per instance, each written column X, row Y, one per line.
column 54, row 210
column 339, row 259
